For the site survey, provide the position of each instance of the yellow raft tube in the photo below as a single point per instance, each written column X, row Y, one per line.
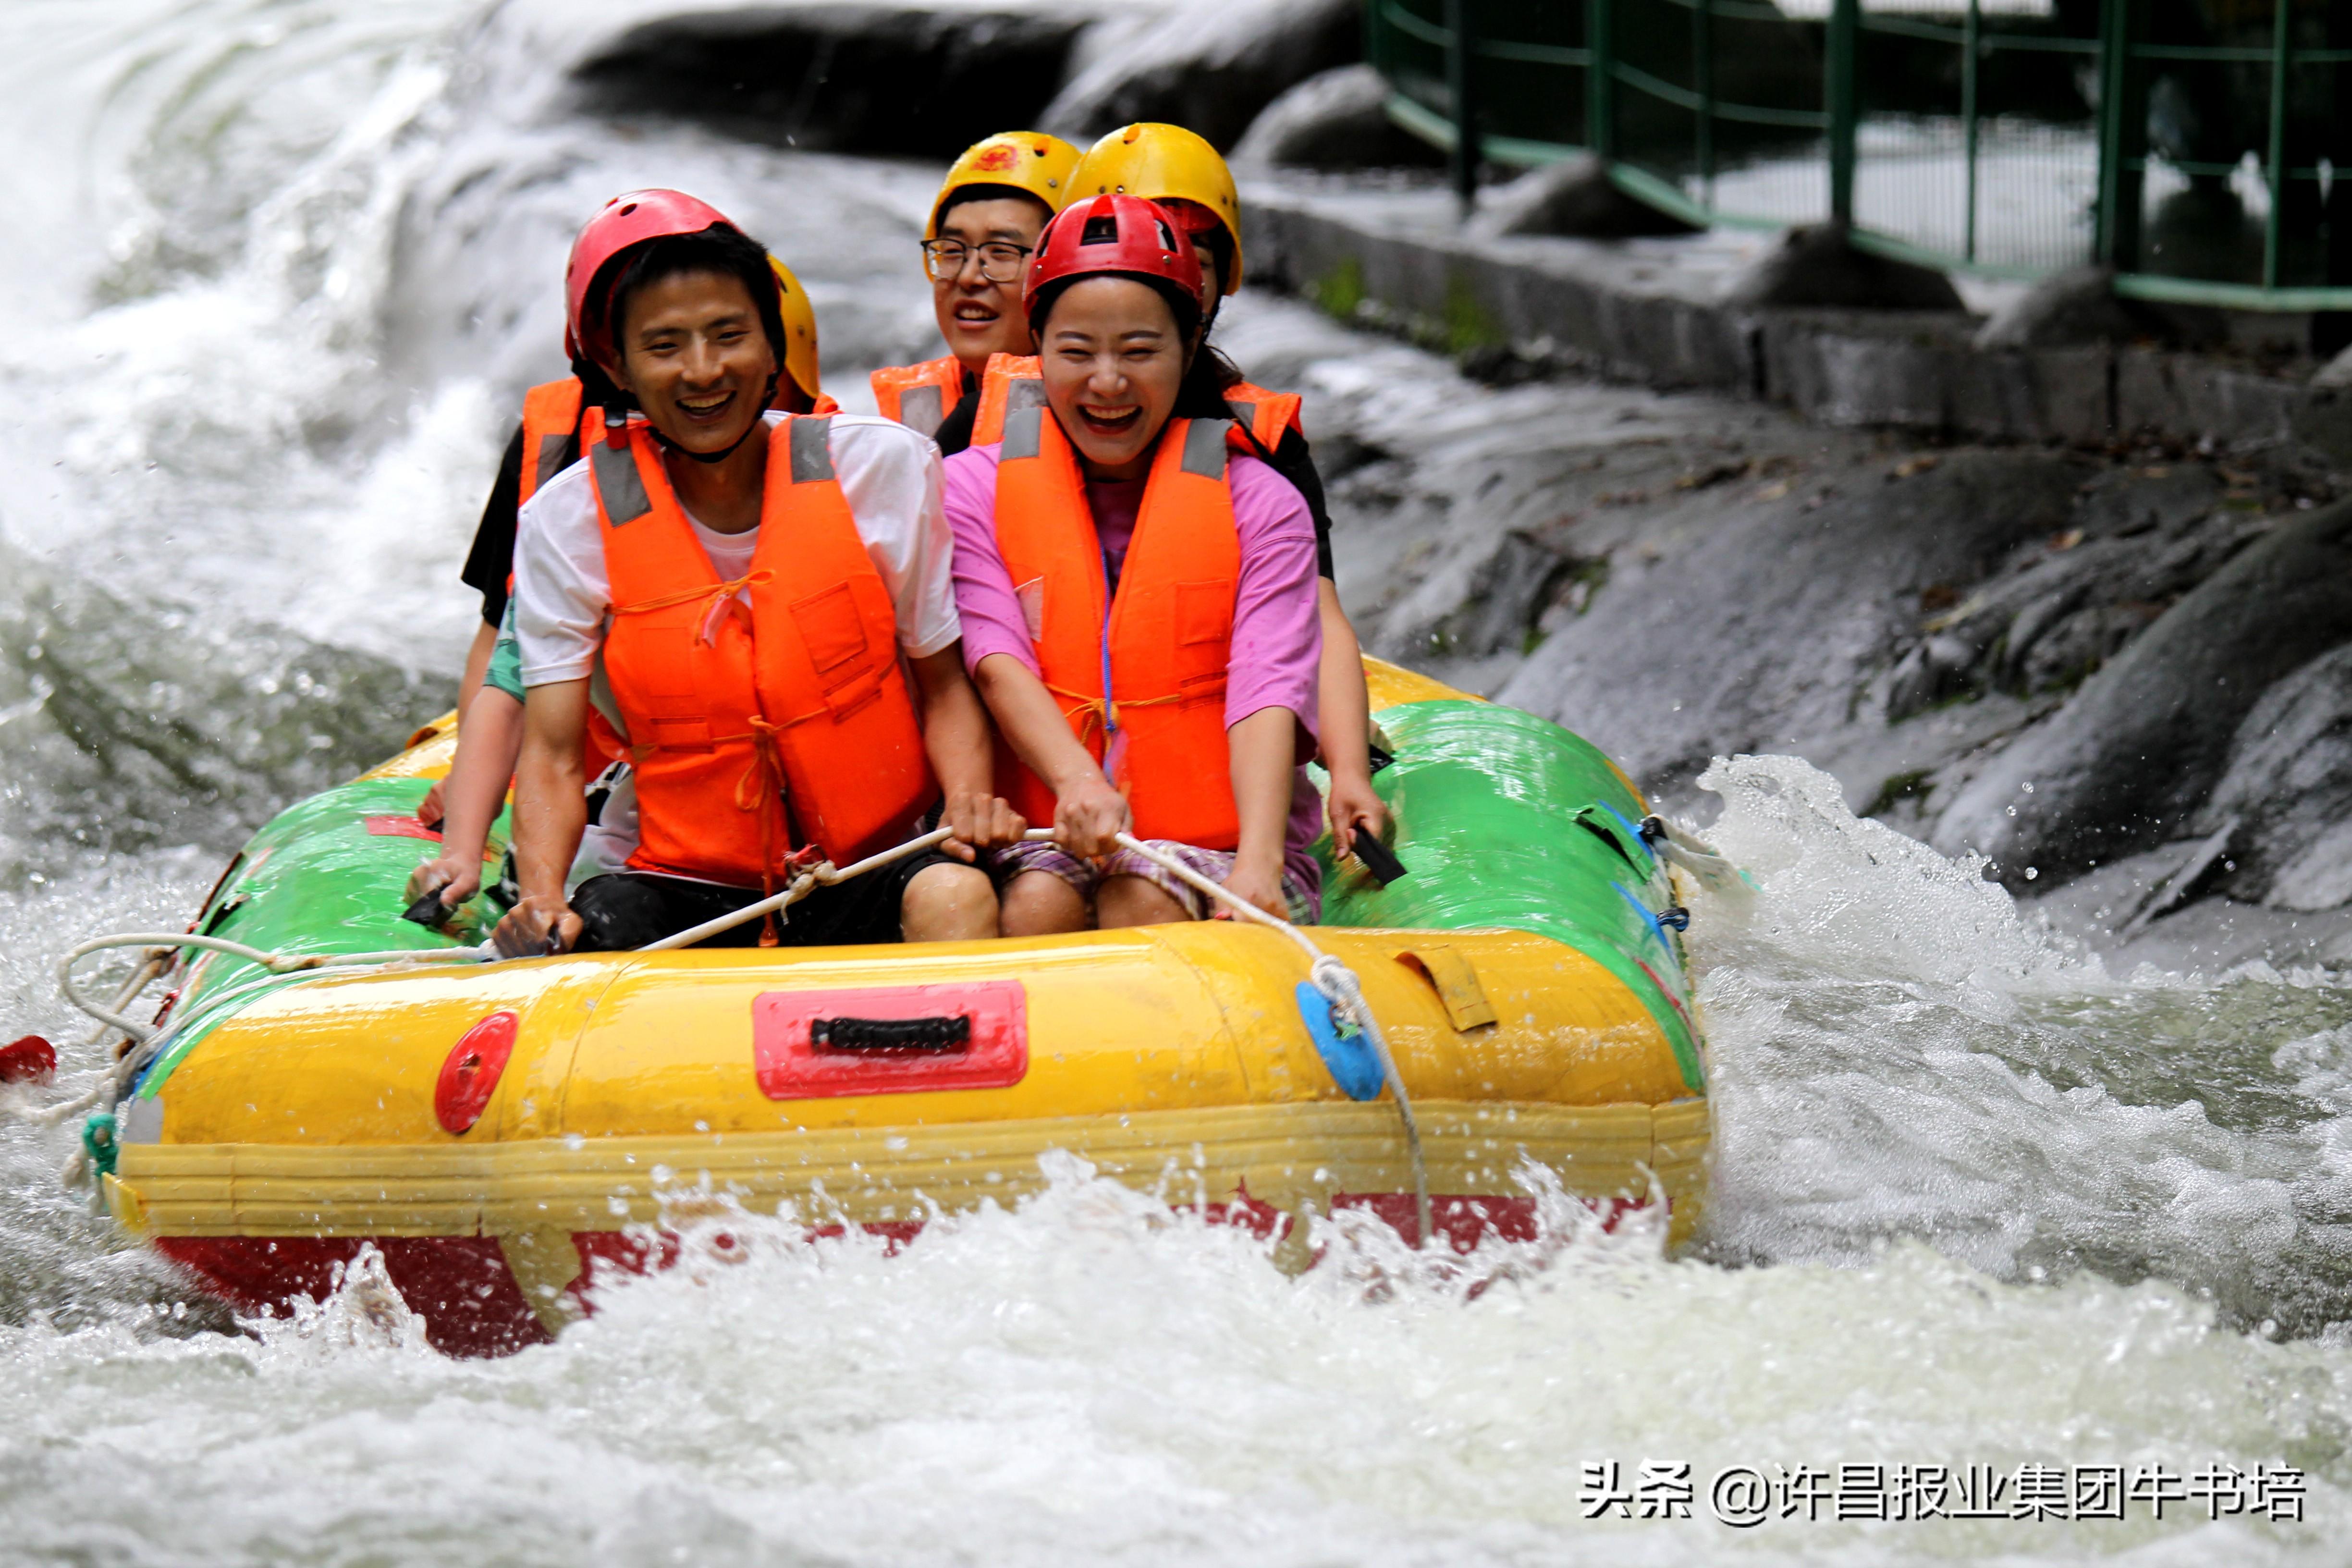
column 492, row 1129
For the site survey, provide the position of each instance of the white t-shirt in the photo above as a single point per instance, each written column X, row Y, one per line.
column 889, row 474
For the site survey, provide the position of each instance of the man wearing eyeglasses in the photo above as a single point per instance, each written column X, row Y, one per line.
column 984, row 225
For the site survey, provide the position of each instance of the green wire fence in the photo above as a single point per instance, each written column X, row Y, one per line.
column 2197, row 146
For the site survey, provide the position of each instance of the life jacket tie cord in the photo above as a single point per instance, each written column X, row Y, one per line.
column 760, row 788
column 718, row 597
column 1101, row 714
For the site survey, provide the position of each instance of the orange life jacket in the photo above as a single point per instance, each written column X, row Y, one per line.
column 1163, row 640
column 1012, row 382
column 552, row 416
column 551, row 425
column 919, row 396
column 747, row 726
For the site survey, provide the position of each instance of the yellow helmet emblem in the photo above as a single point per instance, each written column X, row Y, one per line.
column 1028, row 161
column 1165, row 162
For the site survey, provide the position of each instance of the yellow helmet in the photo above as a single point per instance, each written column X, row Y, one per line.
column 1028, row 161
column 1160, row 162
column 800, row 329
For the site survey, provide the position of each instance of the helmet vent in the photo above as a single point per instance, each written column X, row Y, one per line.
column 628, row 208
column 1103, row 230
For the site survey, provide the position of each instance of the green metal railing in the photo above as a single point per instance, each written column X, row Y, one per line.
column 2204, row 158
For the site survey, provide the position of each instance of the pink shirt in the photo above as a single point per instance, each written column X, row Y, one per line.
column 1278, row 641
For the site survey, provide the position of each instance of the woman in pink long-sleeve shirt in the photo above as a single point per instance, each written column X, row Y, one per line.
column 1115, row 346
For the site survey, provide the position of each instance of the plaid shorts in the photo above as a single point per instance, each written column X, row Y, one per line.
column 1086, row 875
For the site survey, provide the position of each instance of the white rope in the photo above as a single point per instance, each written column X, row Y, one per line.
column 1338, row 984
column 1333, row 980
column 825, row 873
column 275, row 962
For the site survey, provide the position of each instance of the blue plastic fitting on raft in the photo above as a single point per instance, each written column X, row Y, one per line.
column 1347, row 1053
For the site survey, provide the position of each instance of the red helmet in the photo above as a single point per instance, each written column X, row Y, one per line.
column 629, row 218
column 1115, row 236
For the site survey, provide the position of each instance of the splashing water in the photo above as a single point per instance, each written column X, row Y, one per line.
column 1976, row 1200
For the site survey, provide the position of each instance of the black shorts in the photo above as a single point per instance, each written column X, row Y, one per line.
column 627, row 909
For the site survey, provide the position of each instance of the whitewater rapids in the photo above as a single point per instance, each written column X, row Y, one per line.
column 277, row 273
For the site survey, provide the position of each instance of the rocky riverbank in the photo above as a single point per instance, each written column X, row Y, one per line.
column 2101, row 667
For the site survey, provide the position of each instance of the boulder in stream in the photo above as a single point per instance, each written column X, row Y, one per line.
column 1574, row 198
column 1338, row 120
column 1213, row 70
column 849, row 77
column 2134, row 756
column 2289, row 788
column 1818, row 266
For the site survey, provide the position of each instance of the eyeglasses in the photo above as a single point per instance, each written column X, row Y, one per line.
column 1001, row 260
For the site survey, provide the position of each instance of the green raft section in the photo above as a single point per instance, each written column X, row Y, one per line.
column 1502, row 819
column 1505, row 819
column 325, row 875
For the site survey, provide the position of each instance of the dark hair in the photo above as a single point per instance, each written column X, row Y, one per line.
column 1206, row 381
column 963, row 193
column 721, row 250
column 1182, row 305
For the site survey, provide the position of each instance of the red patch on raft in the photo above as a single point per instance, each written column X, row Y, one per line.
column 401, row 827
column 792, row 1064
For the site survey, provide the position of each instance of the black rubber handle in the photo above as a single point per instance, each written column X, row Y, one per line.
column 1377, row 858
column 428, row 911
column 932, row 1034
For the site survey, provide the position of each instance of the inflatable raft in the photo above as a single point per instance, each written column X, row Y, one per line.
column 497, row 1131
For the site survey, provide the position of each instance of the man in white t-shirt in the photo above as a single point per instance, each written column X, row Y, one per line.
column 763, row 605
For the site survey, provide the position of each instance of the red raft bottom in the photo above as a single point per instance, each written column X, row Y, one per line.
column 472, row 1305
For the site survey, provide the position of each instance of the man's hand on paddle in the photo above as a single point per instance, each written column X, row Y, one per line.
column 537, row 927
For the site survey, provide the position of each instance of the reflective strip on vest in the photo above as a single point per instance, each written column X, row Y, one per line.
column 812, row 450
column 1168, row 632
column 551, row 449
column 1010, row 384
column 1205, row 447
column 919, row 395
column 732, row 713
column 620, row 490
column 551, row 427
column 921, row 410
column 1021, row 433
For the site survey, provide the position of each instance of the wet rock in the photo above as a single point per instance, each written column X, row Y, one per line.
column 2079, row 306
column 922, row 83
column 1766, row 627
column 2289, row 784
column 131, row 725
column 1574, row 198
column 2076, row 306
column 1214, row 71
column 1338, row 120
column 2128, row 761
column 1818, row 266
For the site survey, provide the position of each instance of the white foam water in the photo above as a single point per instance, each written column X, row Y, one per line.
column 275, row 277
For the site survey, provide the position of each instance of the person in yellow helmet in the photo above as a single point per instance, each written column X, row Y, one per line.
column 985, row 224
column 1179, row 170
